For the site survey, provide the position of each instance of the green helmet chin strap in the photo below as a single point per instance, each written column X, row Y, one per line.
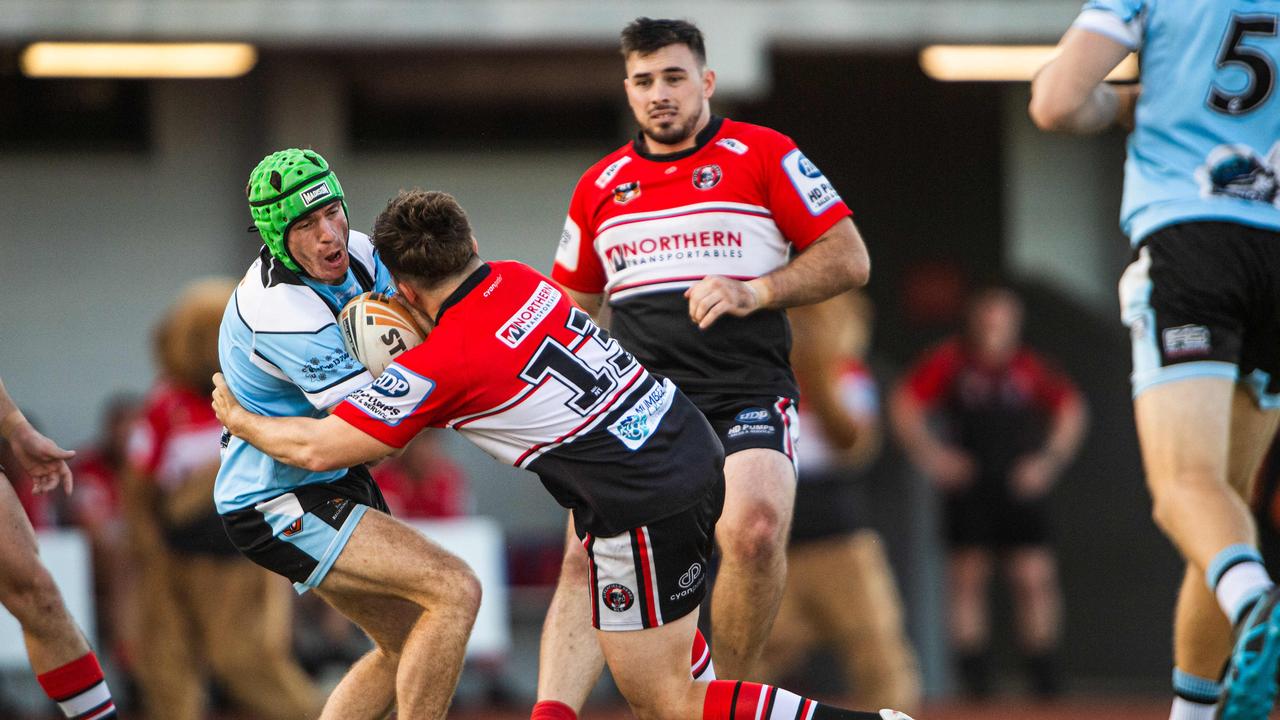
column 283, row 188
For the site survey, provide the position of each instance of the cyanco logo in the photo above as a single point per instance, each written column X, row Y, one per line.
column 691, row 576
column 532, row 312
column 315, row 193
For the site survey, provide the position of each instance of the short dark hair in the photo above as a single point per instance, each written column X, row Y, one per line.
column 423, row 236
column 646, row 36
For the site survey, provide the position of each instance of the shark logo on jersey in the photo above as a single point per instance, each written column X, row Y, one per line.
column 315, row 193
column 1237, row 171
column 531, row 313
column 611, row 171
column 810, row 184
column 626, row 192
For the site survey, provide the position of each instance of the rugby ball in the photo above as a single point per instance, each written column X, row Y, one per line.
column 376, row 330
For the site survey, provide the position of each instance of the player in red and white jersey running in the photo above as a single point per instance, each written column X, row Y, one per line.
column 522, row 372
column 687, row 230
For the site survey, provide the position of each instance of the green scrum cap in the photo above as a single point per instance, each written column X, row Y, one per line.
column 286, row 186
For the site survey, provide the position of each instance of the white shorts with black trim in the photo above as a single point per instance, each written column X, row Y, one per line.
column 653, row 574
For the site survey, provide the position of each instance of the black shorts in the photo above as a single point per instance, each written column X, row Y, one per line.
column 745, row 422
column 1202, row 299
column 984, row 515
column 301, row 533
column 656, row 573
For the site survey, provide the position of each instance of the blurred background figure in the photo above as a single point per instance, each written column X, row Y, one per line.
column 94, row 506
column 993, row 427
column 208, row 612
column 841, row 593
column 423, row 482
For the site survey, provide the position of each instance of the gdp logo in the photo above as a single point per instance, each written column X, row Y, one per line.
column 391, row 383
column 707, row 177
column 626, row 192
column 315, row 193
column 752, row 416
column 691, row 576
column 617, row 598
column 808, row 168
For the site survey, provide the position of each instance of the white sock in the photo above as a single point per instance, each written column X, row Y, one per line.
column 1236, row 576
column 1184, row 709
column 1240, row 585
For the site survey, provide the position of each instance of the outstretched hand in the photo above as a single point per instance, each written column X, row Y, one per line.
column 716, row 295
column 41, row 458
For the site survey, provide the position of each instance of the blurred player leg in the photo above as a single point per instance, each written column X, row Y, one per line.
column 255, row 662
column 170, row 679
column 970, row 577
column 760, row 488
column 865, row 620
column 796, row 630
column 385, row 559
column 1201, row 643
column 60, row 656
column 1033, row 573
column 569, row 659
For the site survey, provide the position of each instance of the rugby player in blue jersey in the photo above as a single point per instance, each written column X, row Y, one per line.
column 1201, row 299
column 328, row 531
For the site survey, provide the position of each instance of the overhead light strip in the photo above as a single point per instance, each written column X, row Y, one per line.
column 1000, row 63
column 138, row 60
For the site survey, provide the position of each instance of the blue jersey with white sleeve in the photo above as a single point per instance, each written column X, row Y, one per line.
column 1207, row 140
column 282, row 354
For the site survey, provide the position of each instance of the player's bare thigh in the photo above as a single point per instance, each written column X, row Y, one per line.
column 760, row 492
column 1252, row 432
column 385, row 557
column 1183, row 427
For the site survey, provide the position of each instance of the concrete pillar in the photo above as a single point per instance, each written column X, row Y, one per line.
column 1062, row 206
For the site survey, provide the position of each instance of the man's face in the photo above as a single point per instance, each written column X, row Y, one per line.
column 668, row 93
column 995, row 326
column 318, row 242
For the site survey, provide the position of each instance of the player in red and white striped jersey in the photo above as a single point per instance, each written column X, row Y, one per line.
column 687, row 231
column 522, row 372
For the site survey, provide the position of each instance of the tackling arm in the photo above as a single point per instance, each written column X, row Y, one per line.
column 1069, row 93
column 318, row 445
